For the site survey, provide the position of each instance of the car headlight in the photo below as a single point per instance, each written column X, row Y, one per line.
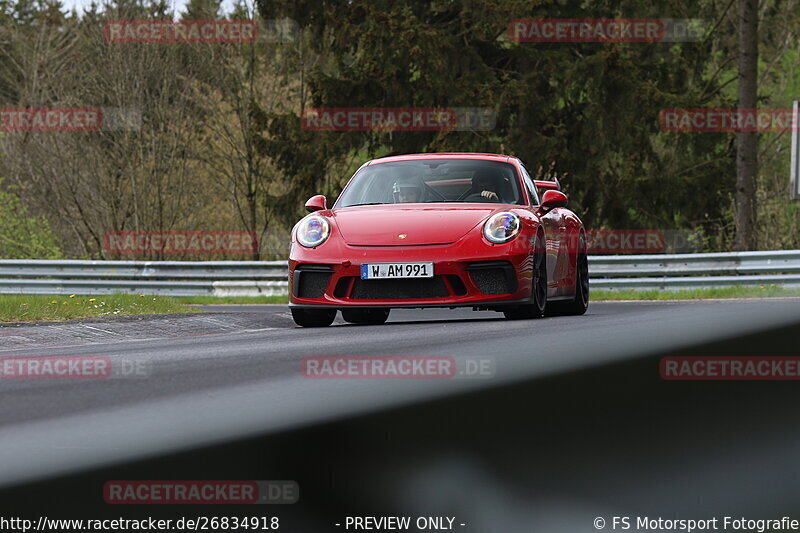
column 313, row 231
column 501, row 227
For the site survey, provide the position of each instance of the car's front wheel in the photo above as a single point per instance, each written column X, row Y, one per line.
column 313, row 318
column 536, row 308
column 580, row 302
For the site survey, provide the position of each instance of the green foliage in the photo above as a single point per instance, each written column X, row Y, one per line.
column 201, row 10
column 21, row 235
column 221, row 143
column 591, row 108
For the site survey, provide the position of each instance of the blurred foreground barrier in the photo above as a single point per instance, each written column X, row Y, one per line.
column 269, row 278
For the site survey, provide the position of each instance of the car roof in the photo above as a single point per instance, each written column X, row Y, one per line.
column 442, row 155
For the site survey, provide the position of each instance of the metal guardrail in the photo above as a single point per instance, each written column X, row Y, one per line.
column 266, row 278
column 691, row 271
column 173, row 278
column 179, row 270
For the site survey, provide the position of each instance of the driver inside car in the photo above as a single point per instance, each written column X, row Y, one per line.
column 406, row 191
column 486, row 189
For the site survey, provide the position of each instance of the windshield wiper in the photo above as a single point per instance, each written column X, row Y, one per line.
column 367, row 203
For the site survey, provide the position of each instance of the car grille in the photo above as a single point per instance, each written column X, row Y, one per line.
column 398, row 289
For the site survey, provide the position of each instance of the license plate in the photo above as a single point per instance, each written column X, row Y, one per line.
column 396, row 270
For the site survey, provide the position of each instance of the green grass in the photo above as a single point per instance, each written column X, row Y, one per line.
column 28, row 307
column 764, row 291
column 209, row 300
column 35, row 307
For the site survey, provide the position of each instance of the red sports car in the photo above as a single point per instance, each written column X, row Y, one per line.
column 438, row 230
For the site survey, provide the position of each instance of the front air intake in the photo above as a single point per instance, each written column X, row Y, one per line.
column 311, row 281
column 493, row 277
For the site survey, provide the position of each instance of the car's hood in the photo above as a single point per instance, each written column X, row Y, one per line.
column 383, row 225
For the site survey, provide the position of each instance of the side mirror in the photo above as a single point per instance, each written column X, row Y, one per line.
column 553, row 199
column 316, row 203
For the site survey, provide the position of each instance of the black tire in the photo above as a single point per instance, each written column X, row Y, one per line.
column 580, row 303
column 538, row 289
column 365, row 316
column 313, row 318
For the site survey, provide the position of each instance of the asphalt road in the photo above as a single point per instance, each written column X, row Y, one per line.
column 237, row 371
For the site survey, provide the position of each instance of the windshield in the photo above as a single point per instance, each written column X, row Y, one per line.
column 433, row 180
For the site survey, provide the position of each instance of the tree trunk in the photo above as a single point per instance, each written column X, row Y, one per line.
column 747, row 142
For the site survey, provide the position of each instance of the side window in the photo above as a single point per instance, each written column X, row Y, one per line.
column 529, row 185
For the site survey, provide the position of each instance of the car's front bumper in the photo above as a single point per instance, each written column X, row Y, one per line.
column 462, row 278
